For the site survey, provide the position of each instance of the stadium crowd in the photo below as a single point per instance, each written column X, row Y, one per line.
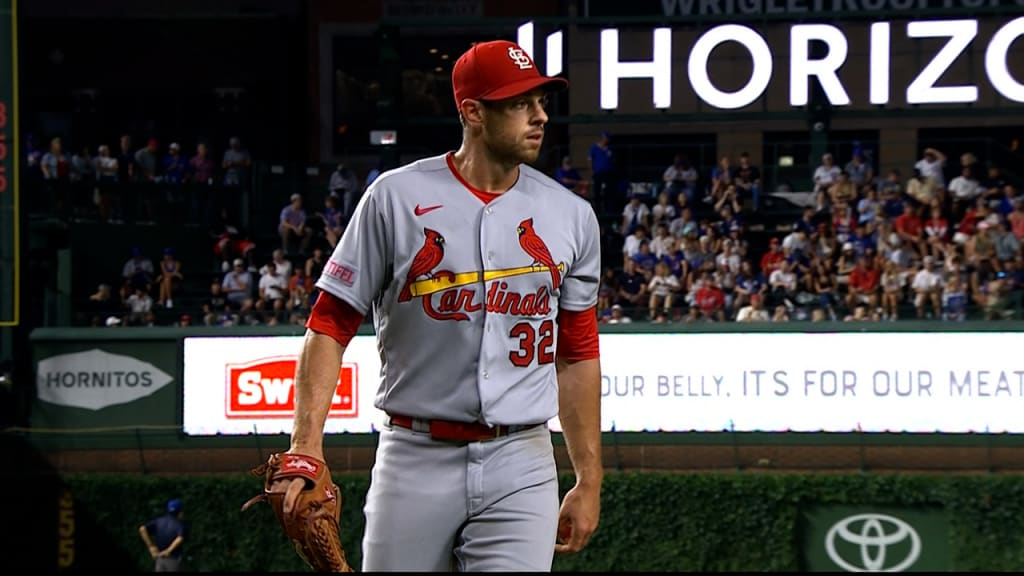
column 249, row 279
column 906, row 244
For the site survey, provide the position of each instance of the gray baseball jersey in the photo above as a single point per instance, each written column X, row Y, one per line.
column 465, row 293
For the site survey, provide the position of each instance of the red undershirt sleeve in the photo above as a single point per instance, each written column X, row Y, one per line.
column 577, row 335
column 332, row 316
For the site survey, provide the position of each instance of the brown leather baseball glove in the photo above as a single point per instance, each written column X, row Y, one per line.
column 307, row 503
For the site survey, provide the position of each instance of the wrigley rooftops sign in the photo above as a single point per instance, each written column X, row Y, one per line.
column 599, row 8
column 957, row 36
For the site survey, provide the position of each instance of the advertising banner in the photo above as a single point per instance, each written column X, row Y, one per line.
column 106, row 384
column 240, row 385
column 875, row 539
column 754, row 9
column 841, row 382
column 9, row 234
column 683, row 68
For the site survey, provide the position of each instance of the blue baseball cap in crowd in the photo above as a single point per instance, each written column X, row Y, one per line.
column 173, row 505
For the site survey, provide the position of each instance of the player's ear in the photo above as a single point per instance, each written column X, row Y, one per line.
column 472, row 111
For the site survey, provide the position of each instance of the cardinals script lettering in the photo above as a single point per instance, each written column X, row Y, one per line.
column 457, row 304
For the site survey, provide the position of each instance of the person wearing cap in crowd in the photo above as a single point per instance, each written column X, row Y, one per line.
column 164, row 537
column 174, row 171
column 754, row 311
column 569, row 176
column 618, row 316
column 237, row 285
column 175, row 166
column 773, row 258
column 603, row 174
column 292, row 225
column 464, row 477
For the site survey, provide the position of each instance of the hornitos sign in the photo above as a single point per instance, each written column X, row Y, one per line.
column 958, row 35
column 96, row 379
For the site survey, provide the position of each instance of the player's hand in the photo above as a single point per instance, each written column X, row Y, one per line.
column 291, row 488
column 153, row 551
column 577, row 519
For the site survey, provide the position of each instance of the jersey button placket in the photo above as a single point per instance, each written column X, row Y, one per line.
column 488, row 210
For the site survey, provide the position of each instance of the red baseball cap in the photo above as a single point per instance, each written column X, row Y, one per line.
column 497, row 70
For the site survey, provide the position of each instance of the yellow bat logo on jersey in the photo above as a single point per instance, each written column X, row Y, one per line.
column 423, row 280
column 442, row 282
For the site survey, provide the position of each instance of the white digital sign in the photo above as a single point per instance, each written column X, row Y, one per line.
column 836, row 382
column 958, row 36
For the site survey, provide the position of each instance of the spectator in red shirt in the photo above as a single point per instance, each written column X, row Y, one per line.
column 910, row 229
column 772, row 259
column 976, row 213
column 709, row 300
column 863, row 285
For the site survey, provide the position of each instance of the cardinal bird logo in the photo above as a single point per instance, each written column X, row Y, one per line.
column 535, row 247
column 426, row 260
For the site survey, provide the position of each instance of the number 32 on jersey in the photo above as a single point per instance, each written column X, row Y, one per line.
column 535, row 343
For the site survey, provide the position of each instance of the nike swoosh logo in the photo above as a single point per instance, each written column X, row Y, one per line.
column 421, row 211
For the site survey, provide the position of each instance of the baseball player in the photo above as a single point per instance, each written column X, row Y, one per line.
column 482, row 276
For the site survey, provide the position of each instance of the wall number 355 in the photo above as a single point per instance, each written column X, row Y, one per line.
column 533, row 343
column 66, row 531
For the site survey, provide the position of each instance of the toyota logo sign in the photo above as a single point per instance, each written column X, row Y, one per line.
column 873, row 534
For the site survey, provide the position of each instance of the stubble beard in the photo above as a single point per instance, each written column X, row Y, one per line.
column 509, row 150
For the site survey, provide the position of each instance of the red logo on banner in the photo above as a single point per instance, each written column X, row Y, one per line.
column 266, row 389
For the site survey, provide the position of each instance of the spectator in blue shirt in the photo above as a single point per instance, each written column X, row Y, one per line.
column 729, row 221
column 892, row 200
column 748, row 283
column 292, row 225
column 807, row 222
column 645, row 259
column 675, row 259
column 175, row 166
column 569, row 177
column 602, row 168
column 1007, row 201
column 954, row 300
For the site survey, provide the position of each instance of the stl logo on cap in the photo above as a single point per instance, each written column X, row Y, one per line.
column 497, row 70
column 519, row 57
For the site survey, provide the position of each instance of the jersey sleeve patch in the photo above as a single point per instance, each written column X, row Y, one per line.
column 344, row 274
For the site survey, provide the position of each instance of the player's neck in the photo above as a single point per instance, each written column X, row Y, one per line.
column 482, row 171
